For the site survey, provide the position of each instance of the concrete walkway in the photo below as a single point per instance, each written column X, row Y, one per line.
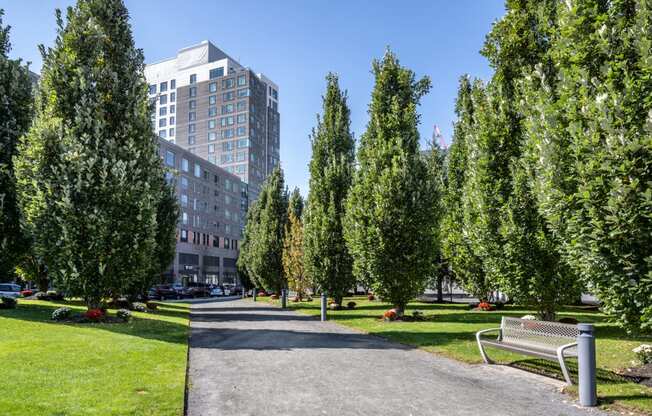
column 251, row 358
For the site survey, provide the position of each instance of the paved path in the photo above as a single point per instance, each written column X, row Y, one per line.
column 251, row 358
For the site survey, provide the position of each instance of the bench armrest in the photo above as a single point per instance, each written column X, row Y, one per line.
column 561, row 349
column 479, row 333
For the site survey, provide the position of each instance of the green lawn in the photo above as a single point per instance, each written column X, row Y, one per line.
column 450, row 330
column 50, row 368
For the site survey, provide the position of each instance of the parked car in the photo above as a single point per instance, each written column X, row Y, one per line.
column 27, row 292
column 163, row 292
column 217, row 292
column 199, row 290
column 9, row 290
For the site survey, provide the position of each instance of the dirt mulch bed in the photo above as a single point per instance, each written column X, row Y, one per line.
column 641, row 374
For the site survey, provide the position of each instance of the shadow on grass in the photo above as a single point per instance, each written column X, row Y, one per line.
column 149, row 328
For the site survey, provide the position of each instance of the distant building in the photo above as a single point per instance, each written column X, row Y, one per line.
column 213, row 204
column 210, row 105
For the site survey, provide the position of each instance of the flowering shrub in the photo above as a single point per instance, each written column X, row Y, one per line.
column 529, row 317
column 7, row 303
column 139, row 307
column 54, row 295
column 644, row 353
column 26, row 292
column 94, row 314
column 61, row 313
column 485, row 306
column 390, row 315
column 123, row 314
column 371, row 296
column 351, row 305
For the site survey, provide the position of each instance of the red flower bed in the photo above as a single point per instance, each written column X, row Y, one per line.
column 26, row 292
column 390, row 315
column 371, row 296
column 94, row 314
column 485, row 306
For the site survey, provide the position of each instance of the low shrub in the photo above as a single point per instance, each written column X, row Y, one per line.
column 644, row 353
column 138, row 307
column 390, row 315
column 123, row 314
column 500, row 305
column 371, row 296
column 54, row 295
column 569, row 320
column 61, row 314
column 351, row 305
column 94, row 314
column 42, row 296
column 8, row 303
column 152, row 306
column 120, row 304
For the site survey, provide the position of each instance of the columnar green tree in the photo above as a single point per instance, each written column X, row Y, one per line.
column 247, row 246
column 465, row 264
column 434, row 159
column 264, row 251
column 388, row 219
column 15, row 116
column 590, row 129
column 327, row 259
column 88, row 169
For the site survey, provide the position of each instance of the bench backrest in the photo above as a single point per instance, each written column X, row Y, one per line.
column 537, row 334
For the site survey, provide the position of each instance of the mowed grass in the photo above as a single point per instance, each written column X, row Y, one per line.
column 449, row 329
column 135, row 368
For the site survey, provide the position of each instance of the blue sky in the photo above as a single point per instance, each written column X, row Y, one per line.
column 295, row 43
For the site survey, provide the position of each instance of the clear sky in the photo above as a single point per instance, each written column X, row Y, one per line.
column 296, row 42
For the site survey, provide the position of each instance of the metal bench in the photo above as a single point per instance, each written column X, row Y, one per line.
column 542, row 339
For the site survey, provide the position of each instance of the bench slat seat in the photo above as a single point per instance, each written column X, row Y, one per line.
column 547, row 340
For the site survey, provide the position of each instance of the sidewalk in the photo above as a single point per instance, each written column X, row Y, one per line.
column 251, row 358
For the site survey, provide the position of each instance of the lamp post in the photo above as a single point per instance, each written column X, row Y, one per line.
column 324, row 297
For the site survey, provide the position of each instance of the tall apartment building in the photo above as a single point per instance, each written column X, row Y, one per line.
column 213, row 204
column 210, row 105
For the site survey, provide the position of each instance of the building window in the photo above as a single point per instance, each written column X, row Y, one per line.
column 172, row 120
column 173, row 109
column 212, row 111
column 216, row 73
column 192, row 116
column 171, row 132
column 242, row 118
column 184, row 236
column 227, row 146
column 169, row 158
column 184, row 183
column 192, row 104
column 162, row 122
column 211, row 124
column 274, row 94
column 163, row 111
column 226, row 158
column 226, row 121
column 227, row 83
column 162, row 134
column 212, row 136
column 212, row 100
column 184, row 218
column 242, row 80
column 173, row 84
column 192, row 91
column 193, row 78
column 184, row 164
column 241, row 168
column 211, row 148
column 228, row 96
column 152, row 88
column 163, row 99
column 191, row 140
column 227, row 109
column 242, row 143
column 163, row 86
column 226, row 242
column 243, row 92
column 197, row 170
column 173, row 97
column 212, row 87
column 242, row 131
column 216, row 241
column 211, row 158
column 191, row 128
column 227, row 134
column 241, row 157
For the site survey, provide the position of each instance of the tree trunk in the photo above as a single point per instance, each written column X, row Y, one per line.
column 440, row 289
column 400, row 309
column 547, row 315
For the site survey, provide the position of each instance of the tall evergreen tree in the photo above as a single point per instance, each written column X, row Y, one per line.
column 264, row 254
column 327, row 259
column 247, row 246
column 295, row 203
column 590, row 130
column 88, row 170
column 15, row 116
column 465, row 264
column 436, row 176
column 388, row 219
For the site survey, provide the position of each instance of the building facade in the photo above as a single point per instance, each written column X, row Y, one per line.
column 218, row 110
column 213, row 204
